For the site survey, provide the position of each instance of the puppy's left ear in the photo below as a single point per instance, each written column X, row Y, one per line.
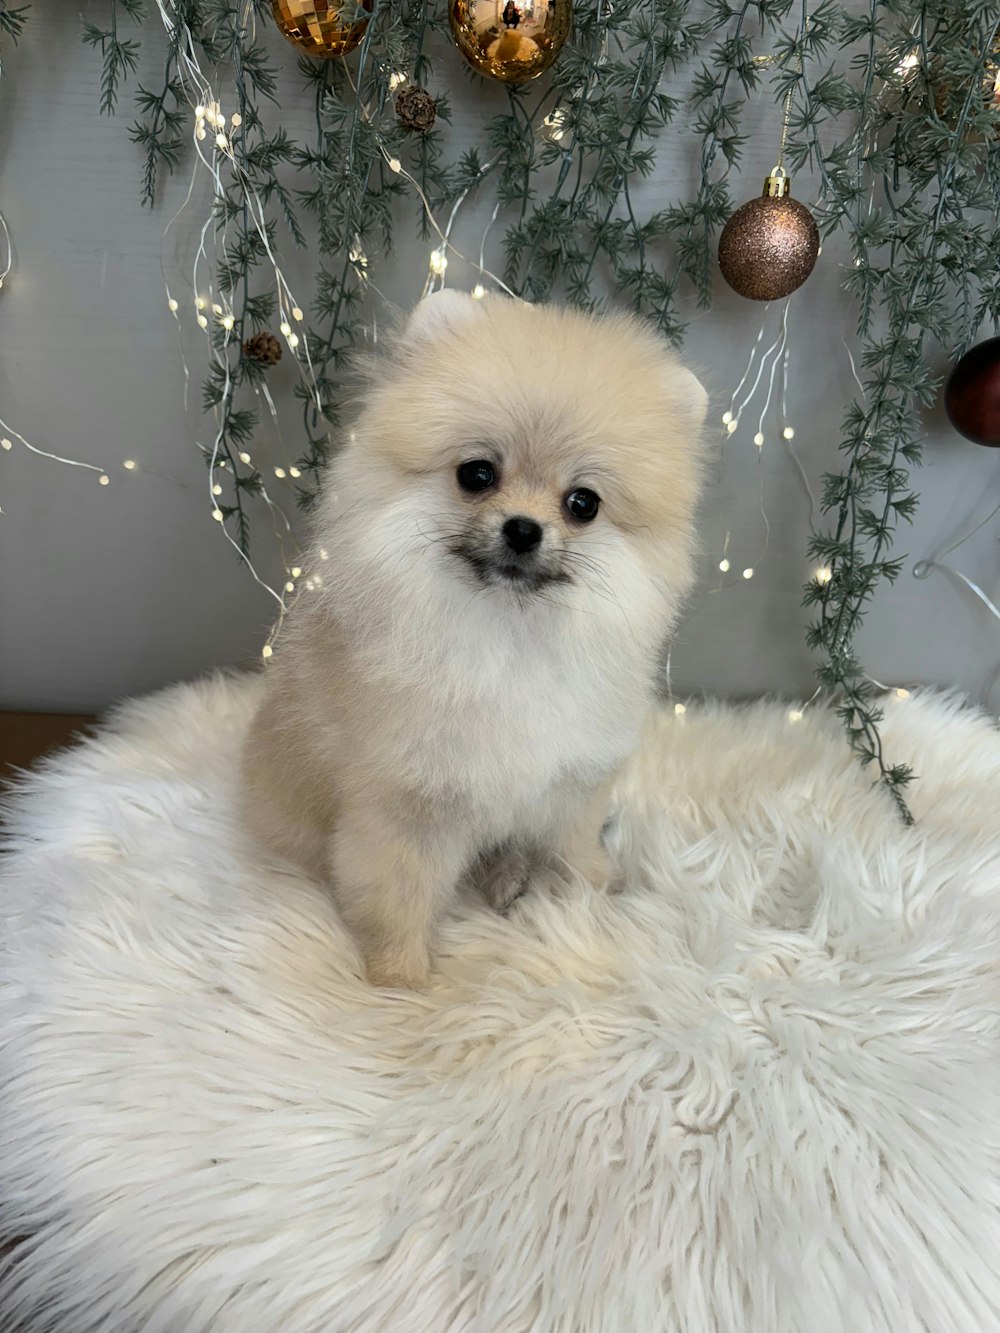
column 688, row 396
column 441, row 313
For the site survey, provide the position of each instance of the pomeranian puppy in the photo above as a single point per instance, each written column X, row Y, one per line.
column 503, row 546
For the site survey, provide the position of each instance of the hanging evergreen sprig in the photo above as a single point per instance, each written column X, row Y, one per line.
column 158, row 131
column 12, row 20
column 120, row 54
column 920, row 253
column 350, row 193
column 608, row 109
column 723, row 82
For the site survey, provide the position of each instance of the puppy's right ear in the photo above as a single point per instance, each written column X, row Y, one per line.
column 442, row 312
column 690, row 396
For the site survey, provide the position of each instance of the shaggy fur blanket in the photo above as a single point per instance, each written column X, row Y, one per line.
column 754, row 1092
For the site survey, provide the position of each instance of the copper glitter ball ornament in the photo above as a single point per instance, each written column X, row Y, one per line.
column 510, row 40
column 769, row 246
column 416, row 109
column 318, row 27
column 972, row 394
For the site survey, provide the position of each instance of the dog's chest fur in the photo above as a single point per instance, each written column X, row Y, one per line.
column 496, row 715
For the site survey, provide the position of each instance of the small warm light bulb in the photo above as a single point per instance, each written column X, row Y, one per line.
column 731, row 426
column 199, row 111
column 794, row 715
column 294, row 472
column 758, row 439
column 324, row 554
column 221, row 141
column 285, row 327
column 266, row 651
column 216, row 309
column 202, row 321
column 824, row 574
column 902, row 694
column 553, row 124
column 199, row 303
column 395, row 165
column 244, row 457
column 6, row 444
column 216, row 489
column 237, row 120
column 395, row 79
column 217, row 515
column 129, row 465
column 748, row 572
column 726, row 418
column 724, row 566
column 295, row 571
column 439, row 262
column 104, row 479
column 200, row 132
column 478, row 292
column 172, row 305
column 296, row 312
column 228, row 322
column 293, row 341
column 679, row 710
column 279, row 472
column 788, row 433
column 289, row 586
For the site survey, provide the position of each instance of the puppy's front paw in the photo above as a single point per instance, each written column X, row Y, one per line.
column 505, row 877
column 394, row 969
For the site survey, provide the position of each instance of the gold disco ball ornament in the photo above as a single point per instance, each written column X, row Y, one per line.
column 769, row 246
column 510, row 40
column 318, row 27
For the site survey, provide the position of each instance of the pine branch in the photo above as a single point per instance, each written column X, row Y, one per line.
column 12, row 20
column 120, row 55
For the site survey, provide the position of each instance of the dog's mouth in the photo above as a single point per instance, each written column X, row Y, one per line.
column 524, row 573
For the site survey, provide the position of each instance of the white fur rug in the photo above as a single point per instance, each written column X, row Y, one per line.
column 754, row 1093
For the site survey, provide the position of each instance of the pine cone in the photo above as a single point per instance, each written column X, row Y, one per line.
column 415, row 108
column 263, row 348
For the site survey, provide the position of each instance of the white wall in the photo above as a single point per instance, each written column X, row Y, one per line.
column 108, row 591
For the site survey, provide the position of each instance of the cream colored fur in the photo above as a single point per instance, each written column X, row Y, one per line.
column 422, row 712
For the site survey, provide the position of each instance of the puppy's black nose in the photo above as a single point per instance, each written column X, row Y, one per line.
column 522, row 534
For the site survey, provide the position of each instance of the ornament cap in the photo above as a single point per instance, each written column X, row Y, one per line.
column 777, row 185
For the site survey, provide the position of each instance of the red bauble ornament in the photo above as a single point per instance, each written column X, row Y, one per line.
column 972, row 394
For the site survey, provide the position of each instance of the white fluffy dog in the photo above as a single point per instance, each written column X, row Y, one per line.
column 508, row 538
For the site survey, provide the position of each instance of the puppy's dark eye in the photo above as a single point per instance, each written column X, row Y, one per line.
column 477, row 475
column 583, row 504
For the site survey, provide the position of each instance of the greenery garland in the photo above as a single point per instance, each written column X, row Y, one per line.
column 914, row 183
